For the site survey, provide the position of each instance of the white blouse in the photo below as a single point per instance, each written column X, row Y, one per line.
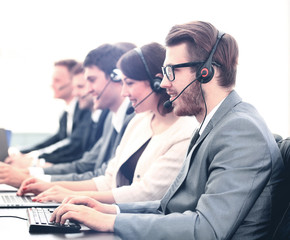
column 158, row 165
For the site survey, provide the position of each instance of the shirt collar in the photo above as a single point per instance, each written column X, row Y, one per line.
column 209, row 116
column 119, row 116
column 70, row 108
column 96, row 115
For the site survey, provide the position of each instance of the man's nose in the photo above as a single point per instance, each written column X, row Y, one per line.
column 165, row 83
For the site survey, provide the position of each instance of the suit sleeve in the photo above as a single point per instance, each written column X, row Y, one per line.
column 61, row 134
column 75, row 149
column 86, row 163
column 47, row 142
column 239, row 169
column 140, row 207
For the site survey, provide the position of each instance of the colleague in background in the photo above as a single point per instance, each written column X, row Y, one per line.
column 152, row 149
column 229, row 181
column 92, row 133
column 92, row 130
column 105, row 87
column 88, row 132
column 73, row 122
column 63, row 89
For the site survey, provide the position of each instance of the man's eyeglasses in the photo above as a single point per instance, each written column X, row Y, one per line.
column 169, row 69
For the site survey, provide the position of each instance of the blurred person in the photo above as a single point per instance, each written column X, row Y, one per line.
column 86, row 101
column 105, row 87
column 63, row 89
column 78, row 114
column 90, row 131
column 151, row 151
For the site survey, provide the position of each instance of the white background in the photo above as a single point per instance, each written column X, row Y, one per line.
column 36, row 33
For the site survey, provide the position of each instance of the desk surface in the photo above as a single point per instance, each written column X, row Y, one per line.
column 16, row 228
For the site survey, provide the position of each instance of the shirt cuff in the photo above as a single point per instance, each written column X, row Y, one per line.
column 101, row 183
column 38, row 172
column 118, row 210
column 35, row 171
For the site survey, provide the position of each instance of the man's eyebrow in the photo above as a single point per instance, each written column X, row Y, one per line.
column 168, row 64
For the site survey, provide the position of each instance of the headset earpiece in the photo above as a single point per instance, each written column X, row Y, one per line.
column 154, row 82
column 116, row 75
column 206, row 72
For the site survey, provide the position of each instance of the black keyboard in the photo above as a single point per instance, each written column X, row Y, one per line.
column 38, row 221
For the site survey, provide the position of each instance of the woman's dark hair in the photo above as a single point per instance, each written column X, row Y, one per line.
column 133, row 67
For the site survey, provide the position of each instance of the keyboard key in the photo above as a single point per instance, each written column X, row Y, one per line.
column 38, row 220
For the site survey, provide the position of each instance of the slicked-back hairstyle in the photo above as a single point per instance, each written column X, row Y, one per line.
column 200, row 38
column 104, row 57
column 132, row 66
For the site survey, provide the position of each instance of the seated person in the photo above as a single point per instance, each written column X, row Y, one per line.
column 105, row 87
column 282, row 230
column 89, row 132
column 67, row 144
column 227, row 184
column 151, row 151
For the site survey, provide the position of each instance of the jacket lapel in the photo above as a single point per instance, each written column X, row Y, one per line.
column 127, row 119
column 225, row 107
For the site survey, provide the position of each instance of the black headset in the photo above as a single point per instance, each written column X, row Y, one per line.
column 206, row 71
column 154, row 82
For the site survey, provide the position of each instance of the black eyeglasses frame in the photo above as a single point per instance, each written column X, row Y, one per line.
column 182, row 65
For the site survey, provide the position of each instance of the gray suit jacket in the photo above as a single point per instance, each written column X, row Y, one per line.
column 94, row 162
column 225, row 188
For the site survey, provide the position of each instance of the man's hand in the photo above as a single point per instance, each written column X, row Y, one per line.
column 92, row 203
column 12, row 175
column 88, row 216
column 19, row 160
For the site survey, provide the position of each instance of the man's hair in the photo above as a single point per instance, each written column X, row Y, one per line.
column 104, row 57
column 77, row 69
column 200, row 38
column 68, row 63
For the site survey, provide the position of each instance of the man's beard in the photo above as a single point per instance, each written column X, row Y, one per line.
column 190, row 101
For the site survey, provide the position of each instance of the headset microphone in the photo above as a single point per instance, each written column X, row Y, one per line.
column 64, row 86
column 98, row 97
column 168, row 103
column 87, row 94
column 131, row 109
column 115, row 76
